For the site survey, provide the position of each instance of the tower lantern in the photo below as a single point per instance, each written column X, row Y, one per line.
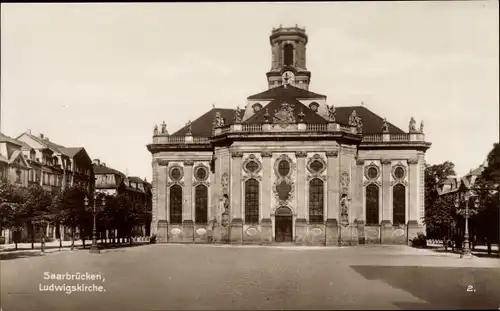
column 288, row 46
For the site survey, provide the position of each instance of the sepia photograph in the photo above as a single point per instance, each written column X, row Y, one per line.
column 335, row 155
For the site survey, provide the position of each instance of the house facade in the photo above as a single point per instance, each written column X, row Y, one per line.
column 56, row 167
column 288, row 167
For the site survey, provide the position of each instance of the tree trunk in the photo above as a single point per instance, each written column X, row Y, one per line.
column 42, row 243
column 72, row 237
column 32, row 236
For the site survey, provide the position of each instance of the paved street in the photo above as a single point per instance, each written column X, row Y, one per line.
column 163, row 277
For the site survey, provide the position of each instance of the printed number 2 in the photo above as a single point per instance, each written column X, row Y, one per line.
column 470, row 288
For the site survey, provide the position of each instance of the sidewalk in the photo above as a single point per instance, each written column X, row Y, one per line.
column 56, row 245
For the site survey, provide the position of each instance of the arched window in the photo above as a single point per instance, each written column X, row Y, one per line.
column 201, row 204
column 372, row 204
column 176, row 204
column 288, row 51
column 398, row 204
column 252, row 201
column 316, row 201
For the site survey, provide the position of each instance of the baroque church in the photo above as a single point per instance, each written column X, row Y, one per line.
column 288, row 167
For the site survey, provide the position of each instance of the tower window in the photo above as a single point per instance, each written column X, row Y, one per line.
column 288, row 51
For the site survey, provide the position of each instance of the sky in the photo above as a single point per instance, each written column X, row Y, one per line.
column 102, row 75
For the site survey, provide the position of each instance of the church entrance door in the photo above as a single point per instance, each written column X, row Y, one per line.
column 283, row 225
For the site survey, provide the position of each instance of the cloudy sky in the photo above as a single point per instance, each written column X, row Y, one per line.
column 102, row 75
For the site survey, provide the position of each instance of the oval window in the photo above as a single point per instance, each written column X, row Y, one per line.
column 283, row 168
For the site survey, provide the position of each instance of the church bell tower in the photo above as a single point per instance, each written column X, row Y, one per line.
column 288, row 45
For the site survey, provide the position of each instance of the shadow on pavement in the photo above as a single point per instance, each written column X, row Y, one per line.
column 440, row 287
column 19, row 254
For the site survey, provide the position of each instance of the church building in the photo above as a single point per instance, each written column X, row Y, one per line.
column 288, row 167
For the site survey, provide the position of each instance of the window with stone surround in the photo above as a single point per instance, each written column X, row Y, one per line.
column 398, row 204
column 316, row 196
column 372, row 204
column 201, row 204
column 252, row 201
column 175, row 204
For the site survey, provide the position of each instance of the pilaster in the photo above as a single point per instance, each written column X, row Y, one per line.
column 266, row 185
column 161, row 211
column 301, row 186
column 413, row 179
column 358, row 185
column 386, row 192
column 187, row 206
column 235, row 198
column 333, row 186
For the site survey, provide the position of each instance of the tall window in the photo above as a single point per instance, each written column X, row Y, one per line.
column 288, row 51
column 398, row 204
column 372, row 204
column 251, row 201
column 201, row 204
column 176, row 204
column 316, row 201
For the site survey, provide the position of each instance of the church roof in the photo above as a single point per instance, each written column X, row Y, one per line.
column 289, row 91
column 203, row 125
column 309, row 116
column 372, row 123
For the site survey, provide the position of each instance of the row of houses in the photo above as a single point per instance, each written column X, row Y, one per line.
column 35, row 159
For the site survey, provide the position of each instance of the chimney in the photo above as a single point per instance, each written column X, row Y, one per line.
column 96, row 162
column 103, row 164
column 41, row 135
column 28, row 131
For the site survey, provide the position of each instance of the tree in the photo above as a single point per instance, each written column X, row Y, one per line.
column 486, row 188
column 11, row 208
column 439, row 210
column 36, row 209
column 70, row 208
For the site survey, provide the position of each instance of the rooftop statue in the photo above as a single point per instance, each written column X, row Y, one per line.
column 237, row 115
column 331, row 113
column 164, row 128
column 385, row 126
column 412, row 126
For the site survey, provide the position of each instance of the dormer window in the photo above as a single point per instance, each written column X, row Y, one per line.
column 256, row 107
column 314, row 106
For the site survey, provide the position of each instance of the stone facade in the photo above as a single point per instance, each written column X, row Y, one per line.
column 289, row 168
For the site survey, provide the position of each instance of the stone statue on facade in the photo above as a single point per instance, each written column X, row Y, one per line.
column 267, row 117
column 155, row 131
column 301, row 116
column 237, row 116
column 219, row 121
column 353, row 119
column 421, row 127
column 385, row 126
column 412, row 126
column 188, row 128
column 164, row 128
column 331, row 113
column 359, row 125
column 344, row 211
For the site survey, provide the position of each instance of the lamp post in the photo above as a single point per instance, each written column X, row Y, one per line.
column 466, row 252
column 94, row 248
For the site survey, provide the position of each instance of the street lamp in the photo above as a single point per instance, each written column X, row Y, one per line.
column 466, row 252
column 94, row 248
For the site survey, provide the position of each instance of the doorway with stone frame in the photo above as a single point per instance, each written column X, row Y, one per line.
column 283, row 225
